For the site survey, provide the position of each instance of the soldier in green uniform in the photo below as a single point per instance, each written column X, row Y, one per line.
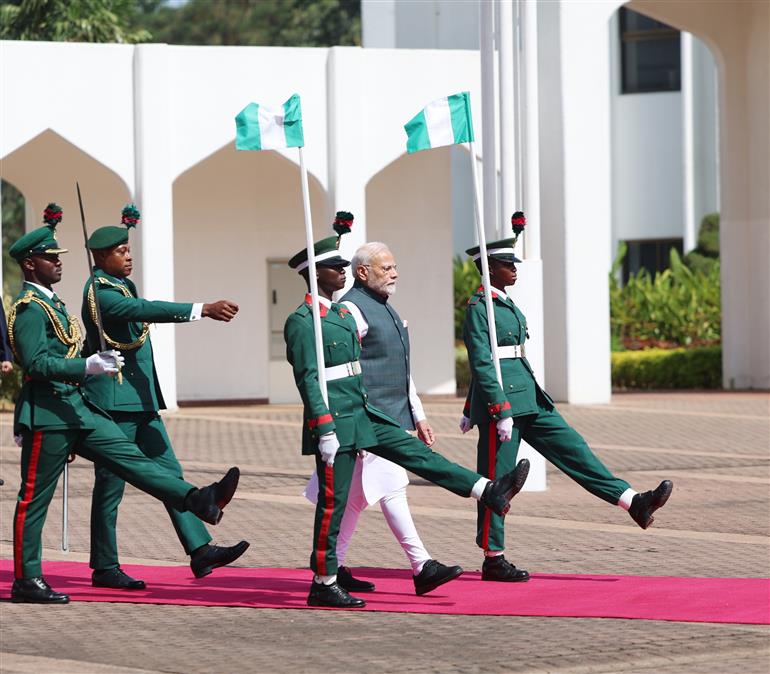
column 334, row 432
column 134, row 398
column 522, row 410
column 54, row 417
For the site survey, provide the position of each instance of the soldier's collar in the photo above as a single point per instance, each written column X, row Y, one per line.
column 496, row 292
column 47, row 292
column 115, row 279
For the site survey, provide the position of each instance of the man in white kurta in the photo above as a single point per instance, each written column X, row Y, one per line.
column 385, row 368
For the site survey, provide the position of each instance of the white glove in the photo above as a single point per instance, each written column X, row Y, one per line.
column 104, row 362
column 17, row 439
column 465, row 424
column 328, row 446
column 505, row 429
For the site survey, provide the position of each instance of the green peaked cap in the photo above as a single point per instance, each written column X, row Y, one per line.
column 327, row 250
column 326, row 255
column 503, row 249
column 111, row 236
column 41, row 240
column 499, row 250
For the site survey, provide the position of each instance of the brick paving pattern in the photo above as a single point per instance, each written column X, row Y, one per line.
column 715, row 446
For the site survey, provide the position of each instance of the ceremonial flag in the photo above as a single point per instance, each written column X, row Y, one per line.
column 445, row 121
column 261, row 128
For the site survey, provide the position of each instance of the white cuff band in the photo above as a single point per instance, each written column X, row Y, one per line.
column 478, row 489
column 625, row 499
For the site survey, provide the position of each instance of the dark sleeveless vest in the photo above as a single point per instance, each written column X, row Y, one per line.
column 384, row 355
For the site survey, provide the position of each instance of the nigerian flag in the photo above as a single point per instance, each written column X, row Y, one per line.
column 258, row 127
column 445, row 121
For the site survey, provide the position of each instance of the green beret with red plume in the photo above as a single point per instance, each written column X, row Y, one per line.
column 111, row 235
column 40, row 241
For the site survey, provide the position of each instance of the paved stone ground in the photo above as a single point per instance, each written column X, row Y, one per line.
column 715, row 446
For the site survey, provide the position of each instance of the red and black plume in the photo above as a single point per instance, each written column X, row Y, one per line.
column 52, row 215
column 130, row 216
column 343, row 221
column 518, row 221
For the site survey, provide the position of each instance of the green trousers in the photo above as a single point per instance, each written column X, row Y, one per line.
column 394, row 444
column 549, row 434
column 147, row 431
column 43, row 454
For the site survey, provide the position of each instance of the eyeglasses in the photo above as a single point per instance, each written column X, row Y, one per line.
column 386, row 268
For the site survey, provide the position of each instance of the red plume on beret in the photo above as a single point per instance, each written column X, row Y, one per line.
column 517, row 224
column 52, row 215
column 130, row 216
column 343, row 222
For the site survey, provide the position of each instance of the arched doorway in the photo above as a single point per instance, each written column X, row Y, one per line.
column 238, row 218
column 409, row 207
column 45, row 169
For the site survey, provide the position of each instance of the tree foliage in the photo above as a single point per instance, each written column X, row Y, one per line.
column 70, row 21
column 466, row 281
column 296, row 23
column 677, row 307
column 706, row 254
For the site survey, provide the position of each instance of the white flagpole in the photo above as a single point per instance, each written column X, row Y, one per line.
column 319, row 358
column 485, row 269
column 65, row 546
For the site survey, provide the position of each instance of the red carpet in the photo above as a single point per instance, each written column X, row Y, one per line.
column 717, row 600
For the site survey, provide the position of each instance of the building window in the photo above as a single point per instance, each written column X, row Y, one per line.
column 651, row 254
column 650, row 54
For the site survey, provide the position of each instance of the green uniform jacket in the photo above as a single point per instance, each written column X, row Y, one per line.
column 486, row 398
column 50, row 397
column 125, row 317
column 348, row 410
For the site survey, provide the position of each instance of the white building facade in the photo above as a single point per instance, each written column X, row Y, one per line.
column 155, row 124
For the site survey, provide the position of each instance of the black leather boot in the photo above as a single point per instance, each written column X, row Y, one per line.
column 332, row 595
column 348, row 582
column 207, row 503
column 116, row 578
column 433, row 575
column 500, row 569
column 643, row 505
column 498, row 493
column 209, row 557
column 36, row 591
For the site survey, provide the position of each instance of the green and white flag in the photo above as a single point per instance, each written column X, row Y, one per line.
column 445, row 121
column 258, row 127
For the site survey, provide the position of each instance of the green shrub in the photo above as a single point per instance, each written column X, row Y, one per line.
column 466, row 280
column 677, row 307
column 708, row 235
column 681, row 368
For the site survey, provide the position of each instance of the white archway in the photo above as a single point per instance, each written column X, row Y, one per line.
column 233, row 212
column 45, row 169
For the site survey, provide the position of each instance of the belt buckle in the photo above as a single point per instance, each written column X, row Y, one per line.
column 349, row 369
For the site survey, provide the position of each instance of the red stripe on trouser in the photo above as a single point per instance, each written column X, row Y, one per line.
column 323, row 534
column 21, row 512
column 491, row 460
